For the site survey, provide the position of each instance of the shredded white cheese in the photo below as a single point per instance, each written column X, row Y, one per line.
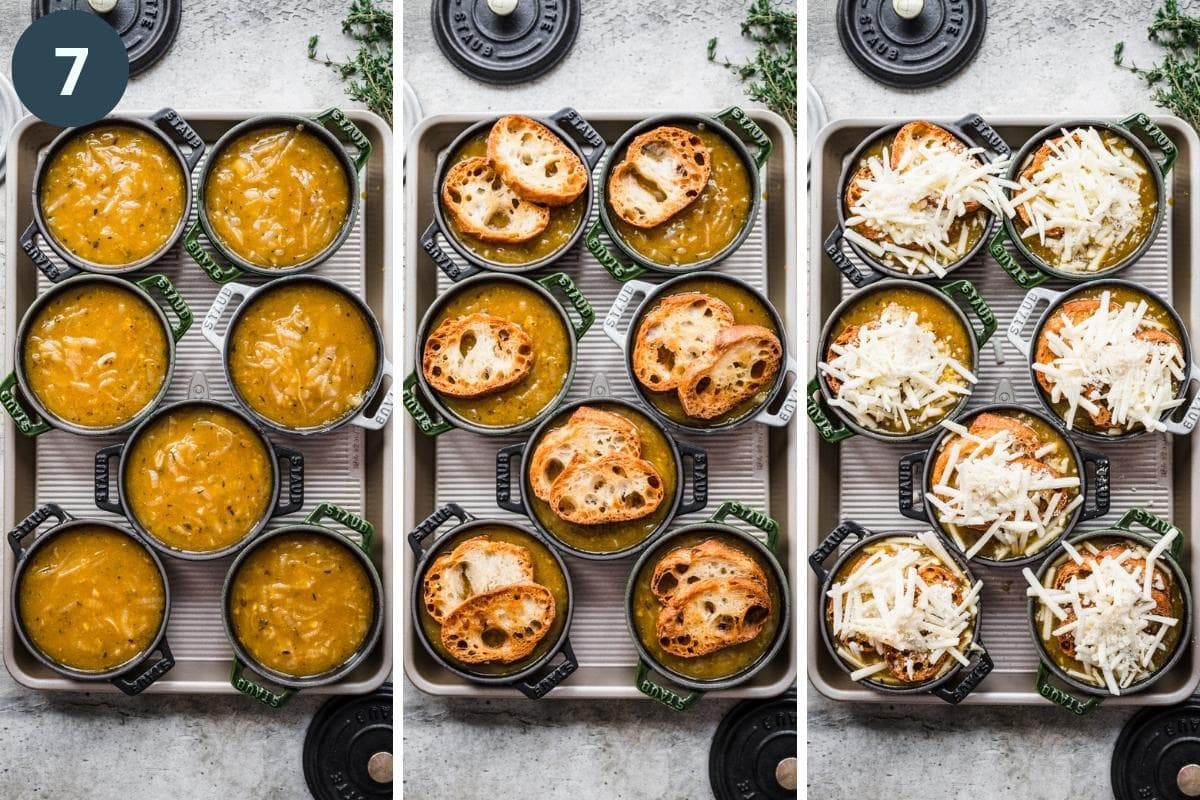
column 1102, row 361
column 991, row 485
column 915, row 204
column 1088, row 191
column 1110, row 613
column 885, row 605
column 897, row 374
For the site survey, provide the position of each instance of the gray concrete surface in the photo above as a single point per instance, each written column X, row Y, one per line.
column 1037, row 58
column 229, row 55
column 632, row 55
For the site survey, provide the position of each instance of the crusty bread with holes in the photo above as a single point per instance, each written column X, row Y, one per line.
column 501, row 626
column 589, row 434
column 663, row 172
column 713, row 614
column 712, row 558
column 679, row 331
column 616, row 488
column 477, row 565
column 487, row 208
column 535, row 162
column 476, row 355
column 742, row 362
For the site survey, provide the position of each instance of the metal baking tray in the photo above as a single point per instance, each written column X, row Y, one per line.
column 756, row 465
column 350, row 467
column 857, row 479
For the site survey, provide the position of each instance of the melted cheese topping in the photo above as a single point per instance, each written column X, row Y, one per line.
column 916, row 204
column 897, row 371
column 884, row 603
column 1110, row 613
column 1090, row 190
column 303, row 355
column 989, row 486
column 1101, row 359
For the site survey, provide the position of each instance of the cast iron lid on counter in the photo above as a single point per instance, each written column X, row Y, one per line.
column 348, row 747
column 505, row 41
column 1158, row 754
column 911, row 43
column 753, row 752
column 147, row 27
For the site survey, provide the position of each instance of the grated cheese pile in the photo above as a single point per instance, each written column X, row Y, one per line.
column 1088, row 190
column 897, row 373
column 884, row 602
column 1101, row 361
column 1110, row 614
column 985, row 483
column 915, row 204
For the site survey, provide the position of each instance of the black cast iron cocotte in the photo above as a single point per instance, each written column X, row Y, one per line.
column 318, row 126
column 576, row 133
column 717, row 527
column 167, row 127
column 1096, row 490
column 973, row 131
column 650, row 294
column 737, row 129
column 292, row 684
column 533, row 679
column 1054, row 301
column 819, row 395
column 223, row 342
column 443, row 419
column 522, row 452
column 139, row 672
column 37, row 419
column 1128, row 129
column 1093, row 694
column 290, row 502
column 981, row 663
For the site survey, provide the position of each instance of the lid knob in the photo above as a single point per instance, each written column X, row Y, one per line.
column 1188, row 780
column 379, row 767
column 102, row 6
column 785, row 774
column 908, row 9
column 502, row 7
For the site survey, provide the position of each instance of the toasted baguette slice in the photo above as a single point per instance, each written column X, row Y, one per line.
column 712, row 558
column 589, row 434
column 664, row 171
column 1040, row 157
column 535, row 162
column 676, row 334
column 499, row 626
column 743, row 361
column 476, row 355
column 486, row 208
column 616, row 488
column 477, row 565
column 713, row 614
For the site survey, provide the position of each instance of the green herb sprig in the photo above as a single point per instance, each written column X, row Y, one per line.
column 771, row 77
column 368, row 76
column 1176, row 81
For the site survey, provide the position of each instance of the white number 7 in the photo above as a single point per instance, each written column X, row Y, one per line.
column 80, row 55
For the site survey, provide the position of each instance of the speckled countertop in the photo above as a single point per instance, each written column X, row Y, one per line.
column 1037, row 58
column 629, row 54
column 229, row 55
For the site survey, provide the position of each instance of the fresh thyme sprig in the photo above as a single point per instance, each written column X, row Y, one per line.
column 368, row 76
column 1176, row 81
column 771, row 77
